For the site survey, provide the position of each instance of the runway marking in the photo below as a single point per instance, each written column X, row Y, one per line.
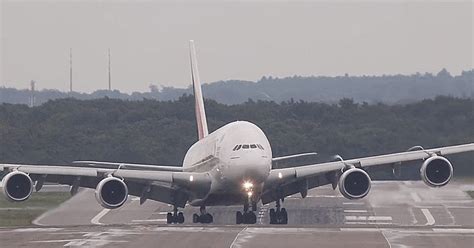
column 235, row 243
column 367, row 223
column 150, row 220
column 453, row 230
column 355, row 211
column 386, row 239
column 261, row 213
column 368, row 218
column 415, row 197
column 353, row 203
column 429, row 218
column 96, row 219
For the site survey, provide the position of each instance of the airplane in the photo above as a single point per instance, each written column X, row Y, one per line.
column 233, row 165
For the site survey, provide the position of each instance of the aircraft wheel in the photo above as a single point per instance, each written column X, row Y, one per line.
column 239, row 218
column 180, row 218
column 208, row 218
column 272, row 216
column 284, row 216
column 169, row 218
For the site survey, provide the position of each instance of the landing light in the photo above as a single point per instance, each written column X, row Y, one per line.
column 247, row 185
column 191, row 178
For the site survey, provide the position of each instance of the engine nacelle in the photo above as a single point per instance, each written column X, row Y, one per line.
column 17, row 186
column 354, row 183
column 436, row 171
column 111, row 192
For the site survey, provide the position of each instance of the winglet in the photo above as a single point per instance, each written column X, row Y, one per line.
column 199, row 101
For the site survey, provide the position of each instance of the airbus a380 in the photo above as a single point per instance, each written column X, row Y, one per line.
column 230, row 166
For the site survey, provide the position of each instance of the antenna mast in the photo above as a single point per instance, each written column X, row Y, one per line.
column 70, row 70
column 32, row 96
column 110, row 79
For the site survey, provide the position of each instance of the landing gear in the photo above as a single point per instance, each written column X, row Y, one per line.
column 175, row 217
column 247, row 217
column 203, row 217
column 278, row 215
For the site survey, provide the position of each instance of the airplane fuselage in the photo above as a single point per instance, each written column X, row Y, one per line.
column 238, row 157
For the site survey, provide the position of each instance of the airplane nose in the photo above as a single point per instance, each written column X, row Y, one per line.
column 251, row 168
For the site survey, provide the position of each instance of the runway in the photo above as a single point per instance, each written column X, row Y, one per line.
column 395, row 214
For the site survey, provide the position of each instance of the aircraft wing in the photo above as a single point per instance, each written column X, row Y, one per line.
column 116, row 165
column 293, row 180
column 164, row 186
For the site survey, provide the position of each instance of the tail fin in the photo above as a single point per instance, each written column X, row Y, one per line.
column 199, row 101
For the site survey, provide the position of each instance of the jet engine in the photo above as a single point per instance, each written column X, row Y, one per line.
column 17, row 186
column 436, row 171
column 354, row 183
column 111, row 192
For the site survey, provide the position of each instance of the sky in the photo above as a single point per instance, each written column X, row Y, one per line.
column 242, row 40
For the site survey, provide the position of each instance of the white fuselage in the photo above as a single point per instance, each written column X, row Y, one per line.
column 236, row 153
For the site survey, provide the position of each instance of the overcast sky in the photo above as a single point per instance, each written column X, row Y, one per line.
column 235, row 40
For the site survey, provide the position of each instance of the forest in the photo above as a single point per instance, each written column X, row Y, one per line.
column 388, row 89
column 160, row 132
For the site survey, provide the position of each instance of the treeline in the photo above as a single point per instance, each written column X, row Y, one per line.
column 393, row 89
column 160, row 132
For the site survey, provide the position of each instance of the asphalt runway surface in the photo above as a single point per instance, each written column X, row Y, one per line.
column 394, row 214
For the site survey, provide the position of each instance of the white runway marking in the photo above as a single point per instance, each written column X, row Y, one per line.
column 368, row 218
column 429, row 218
column 150, row 220
column 261, row 213
column 353, row 203
column 236, row 244
column 355, row 211
column 96, row 219
column 415, row 197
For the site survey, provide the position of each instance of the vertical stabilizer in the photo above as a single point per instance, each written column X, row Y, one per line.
column 199, row 101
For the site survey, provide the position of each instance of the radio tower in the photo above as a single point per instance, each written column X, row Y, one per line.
column 110, row 79
column 32, row 96
column 70, row 70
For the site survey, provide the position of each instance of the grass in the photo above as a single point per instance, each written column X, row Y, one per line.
column 470, row 193
column 23, row 213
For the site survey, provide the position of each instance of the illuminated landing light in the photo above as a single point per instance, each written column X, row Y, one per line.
column 250, row 193
column 280, row 175
column 191, row 178
column 248, row 185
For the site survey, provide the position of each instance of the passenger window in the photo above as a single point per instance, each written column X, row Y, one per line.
column 253, row 146
column 245, row 147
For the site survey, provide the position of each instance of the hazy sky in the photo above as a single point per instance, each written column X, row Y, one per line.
column 235, row 40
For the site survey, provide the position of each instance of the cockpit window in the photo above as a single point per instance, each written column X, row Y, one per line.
column 260, row 146
column 245, row 146
column 253, row 146
column 237, row 147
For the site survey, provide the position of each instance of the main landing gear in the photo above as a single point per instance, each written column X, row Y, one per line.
column 203, row 217
column 175, row 217
column 278, row 215
column 247, row 217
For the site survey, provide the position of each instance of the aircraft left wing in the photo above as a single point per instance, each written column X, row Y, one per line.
column 288, row 181
column 164, row 186
column 116, row 165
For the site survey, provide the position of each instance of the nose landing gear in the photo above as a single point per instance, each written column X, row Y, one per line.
column 278, row 215
column 203, row 217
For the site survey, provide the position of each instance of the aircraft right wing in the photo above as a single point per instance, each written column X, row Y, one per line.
column 289, row 181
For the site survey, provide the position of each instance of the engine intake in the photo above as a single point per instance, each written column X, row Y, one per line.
column 354, row 183
column 436, row 171
column 17, row 186
column 111, row 192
